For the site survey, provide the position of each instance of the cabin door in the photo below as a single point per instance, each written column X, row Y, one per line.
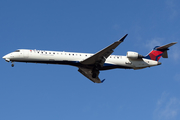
column 25, row 54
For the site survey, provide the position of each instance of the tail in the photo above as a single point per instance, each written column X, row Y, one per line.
column 159, row 51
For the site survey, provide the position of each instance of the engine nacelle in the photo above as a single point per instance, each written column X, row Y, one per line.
column 133, row 55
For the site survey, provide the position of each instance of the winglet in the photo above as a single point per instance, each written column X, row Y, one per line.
column 122, row 39
column 102, row 80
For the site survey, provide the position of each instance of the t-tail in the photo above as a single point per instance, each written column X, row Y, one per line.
column 159, row 51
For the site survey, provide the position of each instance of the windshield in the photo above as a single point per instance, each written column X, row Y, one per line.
column 17, row 51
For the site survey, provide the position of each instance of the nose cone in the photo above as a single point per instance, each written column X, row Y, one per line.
column 6, row 57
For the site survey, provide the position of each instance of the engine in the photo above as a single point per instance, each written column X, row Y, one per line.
column 133, row 55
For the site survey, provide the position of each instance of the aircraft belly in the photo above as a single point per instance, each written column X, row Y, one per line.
column 47, row 60
column 114, row 65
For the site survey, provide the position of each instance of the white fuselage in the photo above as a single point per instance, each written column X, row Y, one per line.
column 73, row 58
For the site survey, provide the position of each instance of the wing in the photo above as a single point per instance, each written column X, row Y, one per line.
column 88, row 73
column 102, row 55
column 97, row 61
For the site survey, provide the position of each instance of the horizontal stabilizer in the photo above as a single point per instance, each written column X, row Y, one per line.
column 164, row 47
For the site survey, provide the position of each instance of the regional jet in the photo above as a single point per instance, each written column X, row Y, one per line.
column 90, row 65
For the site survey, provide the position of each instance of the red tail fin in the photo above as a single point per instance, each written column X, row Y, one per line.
column 154, row 55
column 159, row 51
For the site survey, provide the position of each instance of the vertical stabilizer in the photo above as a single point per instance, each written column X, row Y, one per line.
column 159, row 51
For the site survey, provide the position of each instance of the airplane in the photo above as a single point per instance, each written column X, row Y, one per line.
column 90, row 65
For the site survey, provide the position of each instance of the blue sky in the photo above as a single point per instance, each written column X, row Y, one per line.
column 58, row 92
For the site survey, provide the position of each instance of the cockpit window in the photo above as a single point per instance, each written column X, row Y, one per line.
column 17, row 51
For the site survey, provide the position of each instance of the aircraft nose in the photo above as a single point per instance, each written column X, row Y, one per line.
column 6, row 58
